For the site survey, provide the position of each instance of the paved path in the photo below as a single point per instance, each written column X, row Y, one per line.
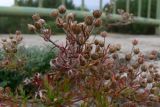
column 146, row 43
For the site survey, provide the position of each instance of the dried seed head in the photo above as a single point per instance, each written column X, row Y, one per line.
column 104, row 34
column 136, row 50
column 130, row 69
column 18, row 32
column 143, row 83
column 135, row 65
column 144, row 68
column 93, row 68
column 14, row 50
column 81, row 41
column 151, row 66
column 96, row 42
column 88, row 20
column 140, row 60
column 38, row 25
column 82, row 61
column 11, row 37
column 59, row 22
column 100, row 54
column 54, row 13
column 76, row 28
column 101, row 44
column 42, row 21
column 46, row 34
column 154, row 52
column 129, row 104
column 153, row 98
column 153, row 55
column 62, row 9
column 98, row 22
column 86, row 56
column 135, row 42
column 6, row 62
column 115, row 56
column 112, row 49
column 7, row 90
column 14, row 41
column 65, row 26
column 149, row 79
column 4, row 40
column 36, row 17
column 97, row 48
column 94, row 56
column 88, row 48
column 143, row 75
column 97, row 13
column 155, row 90
column 107, row 75
column 31, row 27
column 118, row 47
column 128, row 57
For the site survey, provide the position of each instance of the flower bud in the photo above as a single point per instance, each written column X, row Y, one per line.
column 62, row 9
column 97, row 13
column 88, row 20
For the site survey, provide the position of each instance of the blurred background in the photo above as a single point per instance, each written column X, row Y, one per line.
column 9, row 24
